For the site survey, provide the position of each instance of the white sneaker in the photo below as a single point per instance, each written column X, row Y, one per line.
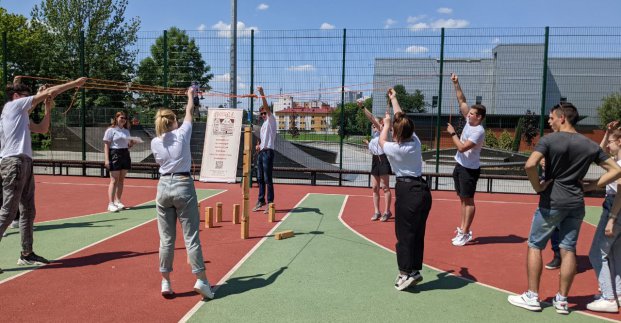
column 464, row 238
column 561, row 307
column 119, row 205
column 525, row 301
column 404, row 281
column 112, row 207
column 203, row 288
column 603, row 305
column 458, row 234
column 166, row 289
column 14, row 224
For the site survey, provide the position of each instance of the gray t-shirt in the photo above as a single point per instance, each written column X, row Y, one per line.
column 568, row 157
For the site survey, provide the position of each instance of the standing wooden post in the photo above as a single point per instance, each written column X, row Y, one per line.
column 219, row 212
column 236, row 208
column 208, row 217
column 271, row 212
column 245, row 221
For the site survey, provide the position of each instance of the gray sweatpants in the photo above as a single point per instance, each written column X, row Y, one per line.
column 18, row 188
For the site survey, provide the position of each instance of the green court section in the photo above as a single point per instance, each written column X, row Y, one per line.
column 327, row 273
column 592, row 214
column 55, row 239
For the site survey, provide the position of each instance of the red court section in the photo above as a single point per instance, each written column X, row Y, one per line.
column 497, row 254
column 118, row 279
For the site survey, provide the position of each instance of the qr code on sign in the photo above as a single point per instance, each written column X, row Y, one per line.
column 219, row 164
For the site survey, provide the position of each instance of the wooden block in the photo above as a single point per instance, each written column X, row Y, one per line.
column 219, row 212
column 236, row 209
column 284, row 234
column 208, row 217
column 271, row 210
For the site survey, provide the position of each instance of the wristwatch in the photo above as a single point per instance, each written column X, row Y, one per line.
column 453, row 134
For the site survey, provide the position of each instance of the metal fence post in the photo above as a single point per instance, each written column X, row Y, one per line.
column 165, row 72
column 342, row 108
column 544, row 82
column 5, row 53
column 251, row 112
column 439, row 122
column 83, row 102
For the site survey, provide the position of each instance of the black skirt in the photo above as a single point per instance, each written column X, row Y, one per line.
column 119, row 159
column 380, row 165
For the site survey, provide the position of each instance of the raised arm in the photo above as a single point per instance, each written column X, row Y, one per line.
column 266, row 106
column 56, row 90
column 461, row 98
column 609, row 128
column 369, row 115
column 392, row 95
column 386, row 130
column 189, row 107
column 44, row 125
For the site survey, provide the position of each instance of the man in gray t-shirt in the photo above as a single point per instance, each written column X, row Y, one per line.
column 568, row 156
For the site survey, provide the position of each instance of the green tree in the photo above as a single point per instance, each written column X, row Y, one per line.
column 610, row 110
column 355, row 122
column 410, row 102
column 490, row 139
column 108, row 37
column 185, row 65
column 505, row 141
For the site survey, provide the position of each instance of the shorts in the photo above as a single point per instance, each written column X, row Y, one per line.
column 465, row 180
column 119, row 159
column 568, row 222
column 380, row 165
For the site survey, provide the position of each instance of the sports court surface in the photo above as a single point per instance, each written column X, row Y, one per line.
column 339, row 267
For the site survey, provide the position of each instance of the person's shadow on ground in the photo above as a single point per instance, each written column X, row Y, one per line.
column 238, row 285
column 445, row 281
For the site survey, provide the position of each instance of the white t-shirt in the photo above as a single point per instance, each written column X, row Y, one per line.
column 374, row 146
column 117, row 137
column 612, row 187
column 471, row 158
column 268, row 132
column 405, row 158
column 172, row 150
column 15, row 132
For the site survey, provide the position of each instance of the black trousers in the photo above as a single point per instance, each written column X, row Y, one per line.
column 412, row 206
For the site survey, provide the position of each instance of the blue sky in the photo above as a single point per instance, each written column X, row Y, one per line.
column 372, row 14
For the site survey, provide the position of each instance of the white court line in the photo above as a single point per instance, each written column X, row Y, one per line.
column 460, row 277
column 95, row 184
column 198, row 305
column 94, row 243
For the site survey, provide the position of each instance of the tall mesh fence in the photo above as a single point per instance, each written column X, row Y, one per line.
column 312, row 79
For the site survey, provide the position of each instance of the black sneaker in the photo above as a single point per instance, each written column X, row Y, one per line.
column 404, row 281
column 259, row 205
column 32, row 259
column 554, row 264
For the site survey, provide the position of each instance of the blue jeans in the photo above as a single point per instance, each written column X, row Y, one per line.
column 604, row 254
column 265, row 165
column 176, row 200
column 545, row 221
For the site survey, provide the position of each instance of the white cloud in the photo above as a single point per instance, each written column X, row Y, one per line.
column 418, row 26
column 450, row 23
column 201, row 27
column 263, row 6
column 326, row 25
column 389, row 22
column 496, row 40
column 413, row 20
column 226, row 78
column 417, row 49
column 225, row 29
column 302, row 68
column 446, row 11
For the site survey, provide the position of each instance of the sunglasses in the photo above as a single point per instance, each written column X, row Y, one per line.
column 263, row 113
column 124, row 118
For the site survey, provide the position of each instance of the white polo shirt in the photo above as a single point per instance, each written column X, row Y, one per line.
column 15, row 133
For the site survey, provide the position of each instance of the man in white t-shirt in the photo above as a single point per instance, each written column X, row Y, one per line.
column 16, row 164
column 468, row 169
column 265, row 155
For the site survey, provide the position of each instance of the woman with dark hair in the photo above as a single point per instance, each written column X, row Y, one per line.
column 412, row 195
column 176, row 196
column 117, row 142
column 380, row 168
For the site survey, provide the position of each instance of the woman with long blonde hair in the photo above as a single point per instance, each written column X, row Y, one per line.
column 176, row 196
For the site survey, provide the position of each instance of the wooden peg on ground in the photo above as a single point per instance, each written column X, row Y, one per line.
column 236, row 209
column 219, row 212
column 208, row 217
column 284, row 234
column 271, row 211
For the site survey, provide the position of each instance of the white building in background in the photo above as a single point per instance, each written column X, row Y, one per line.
column 284, row 102
column 351, row 97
